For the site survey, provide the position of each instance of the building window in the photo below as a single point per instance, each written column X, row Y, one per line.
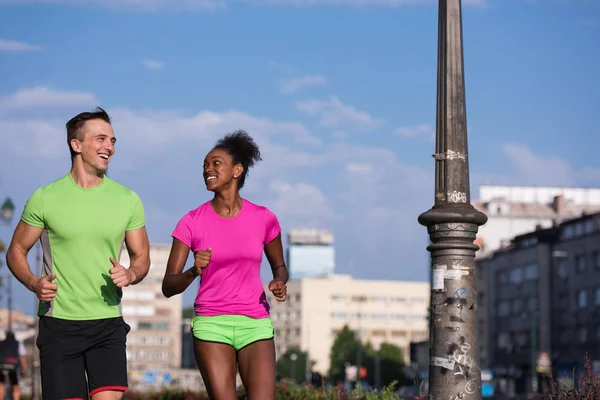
column 144, row 325
column 503, row 308
column 567, row 232
column 164, row 325
column 581, row 299
column 359, row 299
column 562, row 269
column 516, row 276
column 580, row 263
column 338, row 315
column 590, row 227
column 398, row 317
column 531, row 272
column 338, row 297
column 379, row 316
column 378, row 299
column 399, row 300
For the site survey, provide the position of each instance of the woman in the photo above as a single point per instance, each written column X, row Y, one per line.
column 228, row 235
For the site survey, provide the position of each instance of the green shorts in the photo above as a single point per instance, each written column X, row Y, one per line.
column 238, row 331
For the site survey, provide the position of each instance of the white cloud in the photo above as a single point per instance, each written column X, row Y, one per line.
column 134, row 5
column 153, row 64
column 44, row 97
column 11, row 46
column 295, row 84
column 153, row 128
column 333, row 113
column 203, row 5
column 530, row 168
column 283, row 67
column 300, row 204
column 380, row 3
column 420, row 131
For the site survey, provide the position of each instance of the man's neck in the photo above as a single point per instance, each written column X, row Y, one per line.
column 85, row 178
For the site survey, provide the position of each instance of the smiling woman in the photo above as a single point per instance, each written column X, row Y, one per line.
column 228, row 236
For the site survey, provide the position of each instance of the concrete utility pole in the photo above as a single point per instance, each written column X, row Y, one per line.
column 452, row 224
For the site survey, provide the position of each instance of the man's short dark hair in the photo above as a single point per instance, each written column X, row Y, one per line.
column 76, row 123
column 10, row 335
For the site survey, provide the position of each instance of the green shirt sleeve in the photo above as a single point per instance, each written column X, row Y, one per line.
column 33, row 214
column 138, row 218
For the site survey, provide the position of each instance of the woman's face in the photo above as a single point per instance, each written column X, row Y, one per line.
column 219, row 171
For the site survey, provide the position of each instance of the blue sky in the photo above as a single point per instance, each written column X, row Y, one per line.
column 339, row 94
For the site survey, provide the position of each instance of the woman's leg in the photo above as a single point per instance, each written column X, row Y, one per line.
column 256, row 362
column 217, row 365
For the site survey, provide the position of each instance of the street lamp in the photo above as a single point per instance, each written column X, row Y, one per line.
column 452, row 224
column 6, row 211
column 293, row 357
column 6, row 214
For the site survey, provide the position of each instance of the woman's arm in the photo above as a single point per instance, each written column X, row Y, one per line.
column 175, row 280
column 274, row 253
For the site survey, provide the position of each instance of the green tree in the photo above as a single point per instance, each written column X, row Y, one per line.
column 391, row 363
column 343, row 350
column 292, row 369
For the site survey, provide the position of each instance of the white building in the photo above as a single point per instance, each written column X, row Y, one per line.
column 154, row 342
column 318, row 308
column 310, row 253
column 515, row 210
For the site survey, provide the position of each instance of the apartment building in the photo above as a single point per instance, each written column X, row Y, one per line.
column 379, row 311
column 516, row 210
column 541, row 304
column 154, row 342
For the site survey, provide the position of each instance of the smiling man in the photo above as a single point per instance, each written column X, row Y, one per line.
column 82, row 220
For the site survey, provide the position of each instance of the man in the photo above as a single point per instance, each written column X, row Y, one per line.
column 12, row 364
column 81, row 220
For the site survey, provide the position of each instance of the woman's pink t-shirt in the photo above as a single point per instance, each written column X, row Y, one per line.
column 230, row 284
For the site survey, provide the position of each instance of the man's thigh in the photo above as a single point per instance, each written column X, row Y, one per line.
column 61, row 358
column 106, row 360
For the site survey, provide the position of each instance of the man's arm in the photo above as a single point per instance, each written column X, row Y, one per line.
column 23, row 240
column 138, row 248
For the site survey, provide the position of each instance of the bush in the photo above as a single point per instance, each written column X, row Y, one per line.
column 589, row 386
column 284, row 391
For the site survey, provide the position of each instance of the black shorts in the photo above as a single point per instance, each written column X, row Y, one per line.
column 11, row 374
column 70, row 351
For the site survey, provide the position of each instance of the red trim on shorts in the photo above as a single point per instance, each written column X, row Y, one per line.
column 106, row 388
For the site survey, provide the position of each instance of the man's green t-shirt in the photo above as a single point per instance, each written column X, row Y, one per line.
column 83, row 228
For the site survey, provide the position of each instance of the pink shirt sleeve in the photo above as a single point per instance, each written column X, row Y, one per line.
column 183, row 231
column 272, row 227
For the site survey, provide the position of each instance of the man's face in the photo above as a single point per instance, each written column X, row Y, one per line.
column 97, row 144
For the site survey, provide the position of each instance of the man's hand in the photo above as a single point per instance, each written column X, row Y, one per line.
column 279, row 289
column 120, row 275
column 201, row 260
column 44, row 289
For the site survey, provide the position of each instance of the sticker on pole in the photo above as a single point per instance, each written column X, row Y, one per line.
column 438, row 277
column 442, row 362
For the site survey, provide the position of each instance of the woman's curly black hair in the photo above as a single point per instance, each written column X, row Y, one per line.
column 242, row 148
